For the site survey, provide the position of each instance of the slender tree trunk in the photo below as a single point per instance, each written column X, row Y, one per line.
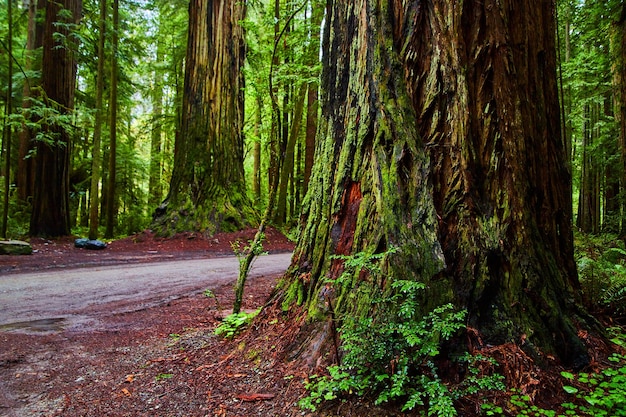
column 273, row 171
column 288, row 162
column 111, row 208
column 7, row 136
column 464, row 171
column 256, row 169
column 588, row 219
column 611, row 188
column 207, row 189
column 312, row 95
column 156, row 142
column 50, row 214
column 620, row 101
column 96, row 158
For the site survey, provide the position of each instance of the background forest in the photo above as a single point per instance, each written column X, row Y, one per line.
column 124, row 111
column 128, row 98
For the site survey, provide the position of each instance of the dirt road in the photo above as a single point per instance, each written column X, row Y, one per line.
column 76, row 298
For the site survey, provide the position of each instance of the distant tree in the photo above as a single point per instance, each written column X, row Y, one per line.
column 50, row 210
column 34, row 39
column 440, row 136
column 96, row 152
column 619, row 78
column 111, row 207
column 7, row 130
column 207, row 189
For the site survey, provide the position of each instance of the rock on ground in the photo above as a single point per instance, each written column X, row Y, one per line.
column 15, row 247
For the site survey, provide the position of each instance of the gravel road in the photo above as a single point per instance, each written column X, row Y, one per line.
column 75, row 298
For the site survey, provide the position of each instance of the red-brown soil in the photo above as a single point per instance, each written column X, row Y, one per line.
column 160, row 361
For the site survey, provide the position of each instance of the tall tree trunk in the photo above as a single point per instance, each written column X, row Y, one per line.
column 256, row 153
column 7, row 131
column 25, row 167
column 96, row 152
column 111, row 208
column 588, row 219
column 156, row 140
column 611, row 188
column 620, row 101
column 207, row 189
column 50, row 214
column 438, row 137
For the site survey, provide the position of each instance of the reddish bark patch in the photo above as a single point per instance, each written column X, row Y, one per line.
column 345, row 225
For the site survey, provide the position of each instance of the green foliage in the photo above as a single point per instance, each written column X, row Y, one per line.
column 19, row 215
column 234, row 323
column 254, row 246
column 602, row 270
column 599, row 394
column 45, row 119
column 392, row 354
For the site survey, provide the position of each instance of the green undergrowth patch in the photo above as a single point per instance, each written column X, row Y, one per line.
column 402, row 348
column 602, row 270
column 234, row 323
column 593, row 394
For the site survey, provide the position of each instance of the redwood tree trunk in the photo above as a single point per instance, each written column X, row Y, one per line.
column 440, row 136
column 51, row 212
column 25, row 174
column 207, row 189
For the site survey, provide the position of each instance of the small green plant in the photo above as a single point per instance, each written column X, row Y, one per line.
column 234, row 323
column 400, row 346
column 161, row 377
column 599, row 394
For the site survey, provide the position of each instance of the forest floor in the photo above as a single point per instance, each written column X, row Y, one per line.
column 165, row 360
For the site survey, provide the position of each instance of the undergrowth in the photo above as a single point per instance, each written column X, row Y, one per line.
column 602, row 270
column 597, row 394
column 401, row 348
column 234, row 323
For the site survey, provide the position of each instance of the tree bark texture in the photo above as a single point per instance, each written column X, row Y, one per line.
column 25, row 175
column 207, row 189
column 50, row 214
column 440, row 136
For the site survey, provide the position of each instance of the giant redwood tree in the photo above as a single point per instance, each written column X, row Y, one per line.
column 440, row 136
column 50, row 210
column 207, row 188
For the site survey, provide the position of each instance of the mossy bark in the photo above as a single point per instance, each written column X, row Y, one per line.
column 440, row 136
column 207, row 189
